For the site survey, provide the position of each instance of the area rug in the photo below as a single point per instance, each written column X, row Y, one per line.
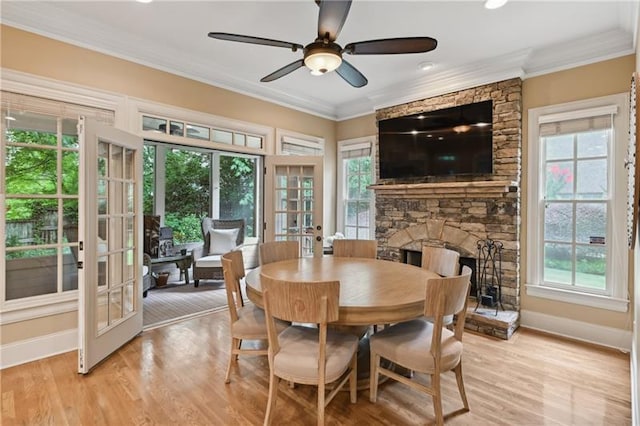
column 176, row 302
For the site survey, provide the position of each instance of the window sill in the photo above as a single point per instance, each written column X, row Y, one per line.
column 576, row 298
column 37, row 307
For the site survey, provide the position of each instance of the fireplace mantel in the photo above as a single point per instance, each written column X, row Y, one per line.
column 447, row 189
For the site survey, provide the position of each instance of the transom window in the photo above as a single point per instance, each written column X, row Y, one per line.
column 200, row 132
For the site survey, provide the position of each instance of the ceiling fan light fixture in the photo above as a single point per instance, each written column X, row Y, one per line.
column 322, row 59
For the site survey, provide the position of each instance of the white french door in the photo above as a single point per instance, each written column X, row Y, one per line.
column 293, row 201
column 110, row 247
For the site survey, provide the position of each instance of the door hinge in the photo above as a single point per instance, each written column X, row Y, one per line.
column 264, row 226
column 80, row 246
column 80, row 264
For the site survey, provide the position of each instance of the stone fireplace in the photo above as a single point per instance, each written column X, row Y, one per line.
column 456, row 213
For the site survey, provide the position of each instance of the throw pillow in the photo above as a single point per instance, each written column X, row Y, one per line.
column 222, row 240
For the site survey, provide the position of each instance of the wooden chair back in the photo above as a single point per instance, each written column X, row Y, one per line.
column 275, row 251
column 441, row 260
column 355, row 248
column 448, row 296
column 233, row 270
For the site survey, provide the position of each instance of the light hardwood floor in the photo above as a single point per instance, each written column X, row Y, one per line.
column 175, row 376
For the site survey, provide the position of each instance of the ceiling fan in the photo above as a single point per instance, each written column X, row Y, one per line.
column 324, row 55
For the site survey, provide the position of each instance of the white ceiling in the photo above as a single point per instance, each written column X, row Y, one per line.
column 475, row 45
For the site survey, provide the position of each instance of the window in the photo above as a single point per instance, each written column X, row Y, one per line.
column 206, row 133
column 576, row 195
column 41, row 156
column 355, row 174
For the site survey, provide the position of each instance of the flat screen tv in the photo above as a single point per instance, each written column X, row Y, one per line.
column 445, row 142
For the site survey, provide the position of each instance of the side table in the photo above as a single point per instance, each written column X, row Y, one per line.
column 182, row 261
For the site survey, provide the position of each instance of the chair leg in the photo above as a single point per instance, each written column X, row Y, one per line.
column 273, row 396
column 373, row 377
column 437, row 398
column 353, row 379
column 233, row 356
column 463, row 394
column 321, row 404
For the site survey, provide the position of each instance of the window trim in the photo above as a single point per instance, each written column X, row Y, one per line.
column 617, row 295
column 346, row 145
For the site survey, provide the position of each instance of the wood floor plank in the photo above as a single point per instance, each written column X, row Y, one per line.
column 174, row 375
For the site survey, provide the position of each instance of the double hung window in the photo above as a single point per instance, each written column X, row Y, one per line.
column 577, row 194
column 355, row 174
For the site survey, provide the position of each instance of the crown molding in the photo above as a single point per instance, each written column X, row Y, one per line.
column 586, row 50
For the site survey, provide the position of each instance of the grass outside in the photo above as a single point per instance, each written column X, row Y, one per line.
column 582, row 280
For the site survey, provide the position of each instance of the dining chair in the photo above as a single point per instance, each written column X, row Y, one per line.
column 441, row 260
column 247, row 322
column 312, row 356
column 275, row 251
column 355, row 248
column 426, row 347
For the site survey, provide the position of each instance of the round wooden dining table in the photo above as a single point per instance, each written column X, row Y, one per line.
column 372, row 291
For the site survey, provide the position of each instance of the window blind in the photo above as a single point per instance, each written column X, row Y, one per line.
column 356, row 150
column 14, row 103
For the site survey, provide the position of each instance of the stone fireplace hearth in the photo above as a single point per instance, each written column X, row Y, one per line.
column 456, row 212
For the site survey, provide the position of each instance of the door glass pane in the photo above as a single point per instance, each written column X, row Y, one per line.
column 558, row 263
column 103, row 155
column 558, row 222
column 102, row 313
column 116, row 164
column 129, row 164
column 128, row 299
column 149, row 178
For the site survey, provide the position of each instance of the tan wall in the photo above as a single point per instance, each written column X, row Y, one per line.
column 357, row 127
column 589, row 81
column 37, row 55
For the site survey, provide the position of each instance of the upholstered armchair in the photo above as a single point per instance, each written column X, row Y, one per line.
column 220, row 236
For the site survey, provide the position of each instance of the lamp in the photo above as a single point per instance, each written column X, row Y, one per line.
column 321, row 58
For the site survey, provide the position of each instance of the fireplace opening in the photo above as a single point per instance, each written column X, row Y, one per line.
column 413, row 257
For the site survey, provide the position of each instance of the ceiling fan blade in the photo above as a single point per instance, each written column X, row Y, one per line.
column 331, row 18
column 256, row 40
column 283, row 71
column 351, row 75
column 392, row 46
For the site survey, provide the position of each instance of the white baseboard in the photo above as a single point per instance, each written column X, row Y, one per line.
column 37, row 348
column 579, row 330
